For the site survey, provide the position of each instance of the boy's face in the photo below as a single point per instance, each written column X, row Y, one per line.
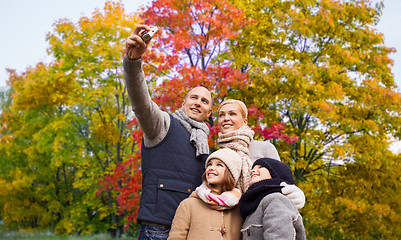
column 259, row 173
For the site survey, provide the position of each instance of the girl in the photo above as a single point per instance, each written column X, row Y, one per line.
column 211, row 211
column 267, row 212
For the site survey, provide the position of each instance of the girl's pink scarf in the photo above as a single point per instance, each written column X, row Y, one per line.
column 226, row 200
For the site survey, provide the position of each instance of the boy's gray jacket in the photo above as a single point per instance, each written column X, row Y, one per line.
column 275, row 218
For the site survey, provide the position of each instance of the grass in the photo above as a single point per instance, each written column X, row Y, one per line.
column 51, row 236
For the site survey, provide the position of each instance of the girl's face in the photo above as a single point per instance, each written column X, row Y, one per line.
column 215, row 172
column 230, row 118
column 259, row 173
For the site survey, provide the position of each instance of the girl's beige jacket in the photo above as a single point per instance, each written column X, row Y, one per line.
column 195, row 220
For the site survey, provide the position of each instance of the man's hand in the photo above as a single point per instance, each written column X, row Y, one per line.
column 134, row 44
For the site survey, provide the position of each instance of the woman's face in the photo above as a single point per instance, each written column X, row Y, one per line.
column 230, row 118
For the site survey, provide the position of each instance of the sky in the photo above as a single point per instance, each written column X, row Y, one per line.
column 25, row 23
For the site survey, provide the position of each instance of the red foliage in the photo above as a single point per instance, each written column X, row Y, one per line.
column 253, row 111
column 184, row 53
column 275, row 131
column 126, row 181
column 213, row 135
column 217, row 79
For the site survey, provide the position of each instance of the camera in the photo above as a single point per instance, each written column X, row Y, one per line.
column 149, row 34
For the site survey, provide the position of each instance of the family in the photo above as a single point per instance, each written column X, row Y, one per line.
column 241, row 191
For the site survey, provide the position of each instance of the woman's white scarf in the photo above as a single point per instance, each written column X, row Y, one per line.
column 199, row 131
column 239, row 141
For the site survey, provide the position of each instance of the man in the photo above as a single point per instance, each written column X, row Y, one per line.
column 174, row 147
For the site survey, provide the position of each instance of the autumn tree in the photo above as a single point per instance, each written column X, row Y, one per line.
column 322, row 68
column 67, row 130
column 358, row 200
column 189, row 49
column 22, row 194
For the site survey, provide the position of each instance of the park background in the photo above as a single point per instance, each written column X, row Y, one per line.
column 319, row 82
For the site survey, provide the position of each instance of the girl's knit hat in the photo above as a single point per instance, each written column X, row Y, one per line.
column 277, row 169
column 230, row 158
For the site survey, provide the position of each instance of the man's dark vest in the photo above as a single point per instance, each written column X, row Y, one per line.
column 171, row 171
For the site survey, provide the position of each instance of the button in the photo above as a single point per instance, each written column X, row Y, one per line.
column 189, row 190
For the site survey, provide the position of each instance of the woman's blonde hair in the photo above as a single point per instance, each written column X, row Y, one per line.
column 242, row 106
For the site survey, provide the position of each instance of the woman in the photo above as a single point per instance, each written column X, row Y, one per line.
column 236, row 135
column 232, row 115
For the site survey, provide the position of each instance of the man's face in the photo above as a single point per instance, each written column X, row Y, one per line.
column 197, row 104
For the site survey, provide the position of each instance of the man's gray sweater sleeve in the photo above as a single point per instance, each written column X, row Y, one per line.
column 153, row 121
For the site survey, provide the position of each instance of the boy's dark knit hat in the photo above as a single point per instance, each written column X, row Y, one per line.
column 277, row 169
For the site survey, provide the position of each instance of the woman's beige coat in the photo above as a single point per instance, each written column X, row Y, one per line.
column 195, row 220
